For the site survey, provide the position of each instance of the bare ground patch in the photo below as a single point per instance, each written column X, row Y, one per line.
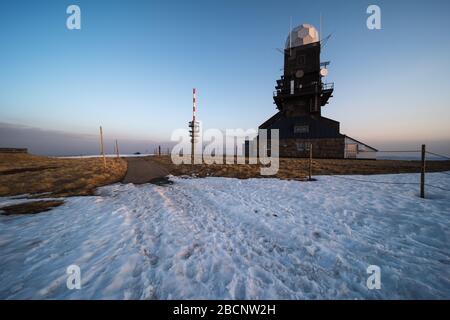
column 31, row 207
column 53, row 177
column 298, row 169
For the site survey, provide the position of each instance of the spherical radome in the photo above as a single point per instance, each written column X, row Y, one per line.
column 301, row 35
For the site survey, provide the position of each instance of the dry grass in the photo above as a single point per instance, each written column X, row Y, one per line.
column 297, row 169
column 24, row 173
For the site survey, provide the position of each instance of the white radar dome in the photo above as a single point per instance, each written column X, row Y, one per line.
column 301, row 35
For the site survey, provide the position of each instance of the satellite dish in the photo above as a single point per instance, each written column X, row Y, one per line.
column 299, row 73
column 323, row 72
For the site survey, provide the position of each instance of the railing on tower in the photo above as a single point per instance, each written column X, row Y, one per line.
column 304, row 90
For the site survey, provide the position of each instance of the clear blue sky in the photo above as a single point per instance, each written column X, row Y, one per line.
column 133, row 64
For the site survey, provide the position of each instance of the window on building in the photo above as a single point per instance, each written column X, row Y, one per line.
column 301, row 146
column 292, row 55
column 301, row 129
column 301, row 60
column 314, row 104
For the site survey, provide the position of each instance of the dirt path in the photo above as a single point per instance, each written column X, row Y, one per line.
column 144, row 170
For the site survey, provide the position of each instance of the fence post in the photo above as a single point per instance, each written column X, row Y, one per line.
column 159, row 151
column 422, row 174
column 102, row 148
column 310, row 161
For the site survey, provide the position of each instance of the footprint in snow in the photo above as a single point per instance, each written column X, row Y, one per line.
column 316, row 234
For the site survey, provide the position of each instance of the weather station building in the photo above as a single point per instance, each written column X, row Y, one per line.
column 300, row 96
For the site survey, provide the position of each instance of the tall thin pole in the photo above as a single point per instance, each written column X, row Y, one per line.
column 102, row 148
column 194, row 110
column 117, row 149
column 422, row 174
column 290, row 36
column 320, row 28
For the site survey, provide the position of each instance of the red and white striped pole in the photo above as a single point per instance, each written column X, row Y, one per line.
column 193, row 125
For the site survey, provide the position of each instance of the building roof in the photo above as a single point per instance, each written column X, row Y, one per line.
column 271, row 120
column 376, row 150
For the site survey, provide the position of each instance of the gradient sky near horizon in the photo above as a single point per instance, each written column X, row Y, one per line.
column 132, row 66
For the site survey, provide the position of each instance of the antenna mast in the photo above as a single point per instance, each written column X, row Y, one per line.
column 194, row 125
column 193, row 105
column 290, row 36
column 320, row 28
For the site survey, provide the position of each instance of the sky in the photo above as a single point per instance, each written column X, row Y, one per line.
column 132, row 66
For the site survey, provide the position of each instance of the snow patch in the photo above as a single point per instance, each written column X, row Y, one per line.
column 223, row 238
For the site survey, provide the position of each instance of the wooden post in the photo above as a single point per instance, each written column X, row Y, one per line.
column 102, row 148
column 422, row 174
column 117, row 149
column 310, row 161
column 159, row 151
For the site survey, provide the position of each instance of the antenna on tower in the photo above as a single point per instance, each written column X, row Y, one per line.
column 320, row 28
column 290, row 36
column 325, row 41
column 194, row 125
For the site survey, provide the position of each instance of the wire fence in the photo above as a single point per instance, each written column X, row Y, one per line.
column 438, row 155
column 422, row 164
column 392, row 183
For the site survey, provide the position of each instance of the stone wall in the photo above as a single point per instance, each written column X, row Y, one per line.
column 332, row 148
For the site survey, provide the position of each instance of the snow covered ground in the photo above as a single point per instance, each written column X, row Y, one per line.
column 219, row 238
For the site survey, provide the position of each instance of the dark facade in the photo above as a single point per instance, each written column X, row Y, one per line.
column 300, row 95
column 300, row 91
